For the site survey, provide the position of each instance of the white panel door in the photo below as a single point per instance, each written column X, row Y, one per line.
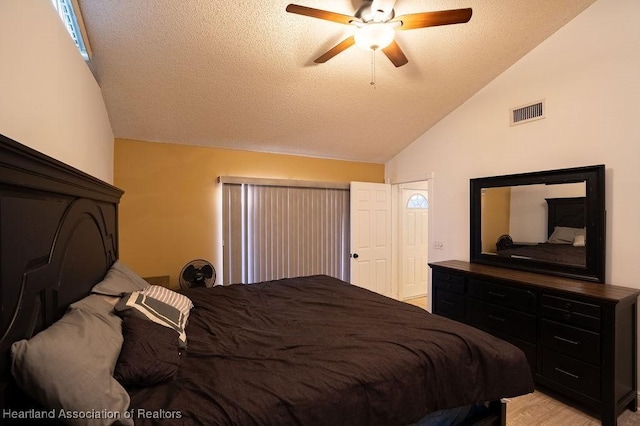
column 414, row 244
column 371, row 236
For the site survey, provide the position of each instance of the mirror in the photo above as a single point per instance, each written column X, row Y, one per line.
column 549, row 222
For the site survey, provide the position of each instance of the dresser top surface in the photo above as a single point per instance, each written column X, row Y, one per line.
column 600, row 291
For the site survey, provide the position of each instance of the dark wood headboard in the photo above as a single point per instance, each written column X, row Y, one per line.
column 58, row 237
column 568, row 212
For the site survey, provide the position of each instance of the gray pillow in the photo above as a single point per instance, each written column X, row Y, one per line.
column 119, row 280
column 69, row 366
column 565, row 235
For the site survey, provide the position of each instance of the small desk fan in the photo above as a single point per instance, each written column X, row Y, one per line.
column 197, row 273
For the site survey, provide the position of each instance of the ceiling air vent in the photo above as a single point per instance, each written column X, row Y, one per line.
column 527, row 113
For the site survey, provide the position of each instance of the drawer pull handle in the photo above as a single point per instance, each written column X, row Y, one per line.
column 495, row 318
column 560, row 370
column 500, row 295
column 562, row 339
column 446, row 302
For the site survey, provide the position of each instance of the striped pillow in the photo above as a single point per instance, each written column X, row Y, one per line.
column 170, row 297
column 138, row 304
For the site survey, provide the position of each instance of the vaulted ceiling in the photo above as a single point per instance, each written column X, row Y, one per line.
column 240, row 74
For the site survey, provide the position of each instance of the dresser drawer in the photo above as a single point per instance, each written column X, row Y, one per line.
column 510, row 297
column 448, row 282
column 574, row 342
column 502, row 320
column 571, row 373
column 572, row 312
column 571, row 305
column 450, row 305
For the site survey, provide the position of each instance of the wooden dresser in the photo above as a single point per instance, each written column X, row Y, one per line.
column 579, row 337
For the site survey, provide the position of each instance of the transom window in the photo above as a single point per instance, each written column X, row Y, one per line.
column 74, row 24
column 417, row 201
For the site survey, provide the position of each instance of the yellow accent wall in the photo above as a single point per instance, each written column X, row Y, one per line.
column 495, row 215
column 171, row 210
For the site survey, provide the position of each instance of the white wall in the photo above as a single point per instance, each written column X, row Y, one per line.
column 49, row 100
column 589, row 74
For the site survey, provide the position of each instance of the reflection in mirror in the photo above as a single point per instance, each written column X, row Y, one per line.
column 536, row 222
column 550, row 222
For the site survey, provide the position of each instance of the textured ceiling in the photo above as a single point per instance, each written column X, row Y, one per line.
column 240, row 74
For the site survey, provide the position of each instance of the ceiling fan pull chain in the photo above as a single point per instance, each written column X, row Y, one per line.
column 373, row 68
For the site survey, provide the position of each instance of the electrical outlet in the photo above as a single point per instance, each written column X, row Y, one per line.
column 438, row 245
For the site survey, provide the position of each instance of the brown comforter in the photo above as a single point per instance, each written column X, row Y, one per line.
column 318, row 351
column 564, row 254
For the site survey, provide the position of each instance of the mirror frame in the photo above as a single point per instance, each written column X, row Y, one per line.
column 594, row 269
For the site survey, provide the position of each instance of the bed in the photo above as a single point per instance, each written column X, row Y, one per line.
column 565, row 223
column 309, row 350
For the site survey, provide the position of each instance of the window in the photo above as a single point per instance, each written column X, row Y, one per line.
column 417, row 201
column 70, row 14
column 284, row 230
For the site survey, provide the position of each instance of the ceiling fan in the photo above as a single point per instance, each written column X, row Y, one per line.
column 375, row 23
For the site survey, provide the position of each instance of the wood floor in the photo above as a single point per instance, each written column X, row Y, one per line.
column 541, row 409
column 418, row 301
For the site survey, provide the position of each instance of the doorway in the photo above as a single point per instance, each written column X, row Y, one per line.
column 371, row 237
column 413, row 240
column 389, row 238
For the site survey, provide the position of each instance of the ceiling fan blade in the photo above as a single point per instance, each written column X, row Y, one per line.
column 433, row 19
column 340, row 47
column 395, row 54
column 320, row 14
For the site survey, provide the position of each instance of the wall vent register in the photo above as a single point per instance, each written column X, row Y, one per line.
column 527, row 113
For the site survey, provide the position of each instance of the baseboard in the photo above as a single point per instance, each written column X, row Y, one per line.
column 413, row 297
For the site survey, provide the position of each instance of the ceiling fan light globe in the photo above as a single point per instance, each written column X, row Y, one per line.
column 374, row 36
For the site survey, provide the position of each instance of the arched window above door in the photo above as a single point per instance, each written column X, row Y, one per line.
column 417, row 201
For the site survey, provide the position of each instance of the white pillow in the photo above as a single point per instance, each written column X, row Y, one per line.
column 579, row 241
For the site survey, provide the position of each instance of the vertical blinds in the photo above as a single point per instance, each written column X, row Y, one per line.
column 273, row 231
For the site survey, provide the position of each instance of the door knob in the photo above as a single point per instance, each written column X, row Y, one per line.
column 355, row 255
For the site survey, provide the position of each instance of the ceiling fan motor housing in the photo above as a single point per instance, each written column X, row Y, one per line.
column 366, row 13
